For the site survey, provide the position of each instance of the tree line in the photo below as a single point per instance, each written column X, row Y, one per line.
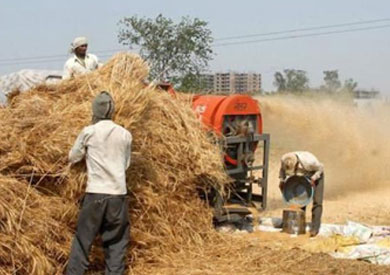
column 297, row 81
column 179, row 52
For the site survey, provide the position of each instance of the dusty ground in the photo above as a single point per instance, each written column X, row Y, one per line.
column 260, row 253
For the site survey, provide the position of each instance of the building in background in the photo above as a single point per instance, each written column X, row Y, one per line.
column 207, row 82
column 367, row 99
column 232, row 82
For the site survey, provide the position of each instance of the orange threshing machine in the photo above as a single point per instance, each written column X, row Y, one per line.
column 237, row 121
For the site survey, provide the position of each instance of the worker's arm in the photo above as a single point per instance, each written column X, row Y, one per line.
column 79, row 149
column 99, row 64
column 128, row 150
column 318, row 168
column 282, row 175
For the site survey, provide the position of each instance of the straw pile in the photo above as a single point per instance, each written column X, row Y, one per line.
column 172, row 159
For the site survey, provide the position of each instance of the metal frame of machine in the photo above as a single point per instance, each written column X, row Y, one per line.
column 262, row 182
column 237, row 121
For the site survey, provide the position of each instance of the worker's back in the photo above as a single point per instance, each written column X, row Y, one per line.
column 107, row 156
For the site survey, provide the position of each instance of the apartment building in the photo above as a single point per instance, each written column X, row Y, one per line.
column 232, row 82
column 367, row 99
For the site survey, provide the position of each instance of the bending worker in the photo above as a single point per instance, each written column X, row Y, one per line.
column 81, row 62
column 106, row 148
column 306, row 164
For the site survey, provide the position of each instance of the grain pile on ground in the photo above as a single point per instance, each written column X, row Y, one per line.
column 172, row 157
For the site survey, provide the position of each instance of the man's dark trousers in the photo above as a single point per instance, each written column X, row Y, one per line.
column 317, row 204
column 106, row 215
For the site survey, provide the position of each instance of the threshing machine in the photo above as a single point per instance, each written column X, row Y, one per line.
column 237, row 122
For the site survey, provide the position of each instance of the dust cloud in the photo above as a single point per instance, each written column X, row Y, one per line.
column 352, row 143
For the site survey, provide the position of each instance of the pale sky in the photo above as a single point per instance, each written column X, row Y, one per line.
column 42, row 27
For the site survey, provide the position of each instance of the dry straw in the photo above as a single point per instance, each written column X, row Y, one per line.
column 172, row 158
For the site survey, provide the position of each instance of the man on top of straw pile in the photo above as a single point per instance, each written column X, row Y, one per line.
column 106, row 147
column 81, row 62
column 306, row 164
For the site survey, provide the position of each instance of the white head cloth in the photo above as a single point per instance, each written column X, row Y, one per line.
column 77, row 42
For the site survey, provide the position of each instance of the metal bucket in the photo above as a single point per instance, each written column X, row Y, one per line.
column 294, row 221
column 297, row 191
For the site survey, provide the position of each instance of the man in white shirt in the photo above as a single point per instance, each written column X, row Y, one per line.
column 106, row 148
column 81, row 62
column 303, row 163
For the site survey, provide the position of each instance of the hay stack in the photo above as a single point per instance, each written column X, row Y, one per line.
column 31, row 229
column 171, row 159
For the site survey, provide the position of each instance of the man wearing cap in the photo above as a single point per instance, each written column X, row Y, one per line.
column 81, row 62
column 306, row 164
column 106, row 148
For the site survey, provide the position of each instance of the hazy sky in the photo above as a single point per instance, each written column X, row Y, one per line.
column 43, row 27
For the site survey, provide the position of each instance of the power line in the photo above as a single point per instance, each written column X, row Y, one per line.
column 43, row 61
column 53, row 56
column 57, row 58
column 305, row 29
column 218, row 39
column 300, row 36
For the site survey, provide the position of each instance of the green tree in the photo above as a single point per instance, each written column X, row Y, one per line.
column 332, row 82
column 350, row 85
column 292, row 81
column 190, row 82
column 176, row 52
column 280, row 82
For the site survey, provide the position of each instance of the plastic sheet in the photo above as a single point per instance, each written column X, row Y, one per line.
column 362, row 232
column 350, row 241
column 25, row 80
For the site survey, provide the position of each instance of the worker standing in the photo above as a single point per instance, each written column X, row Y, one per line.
column 81, row 62
column 106, row 147
column 306, row 164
